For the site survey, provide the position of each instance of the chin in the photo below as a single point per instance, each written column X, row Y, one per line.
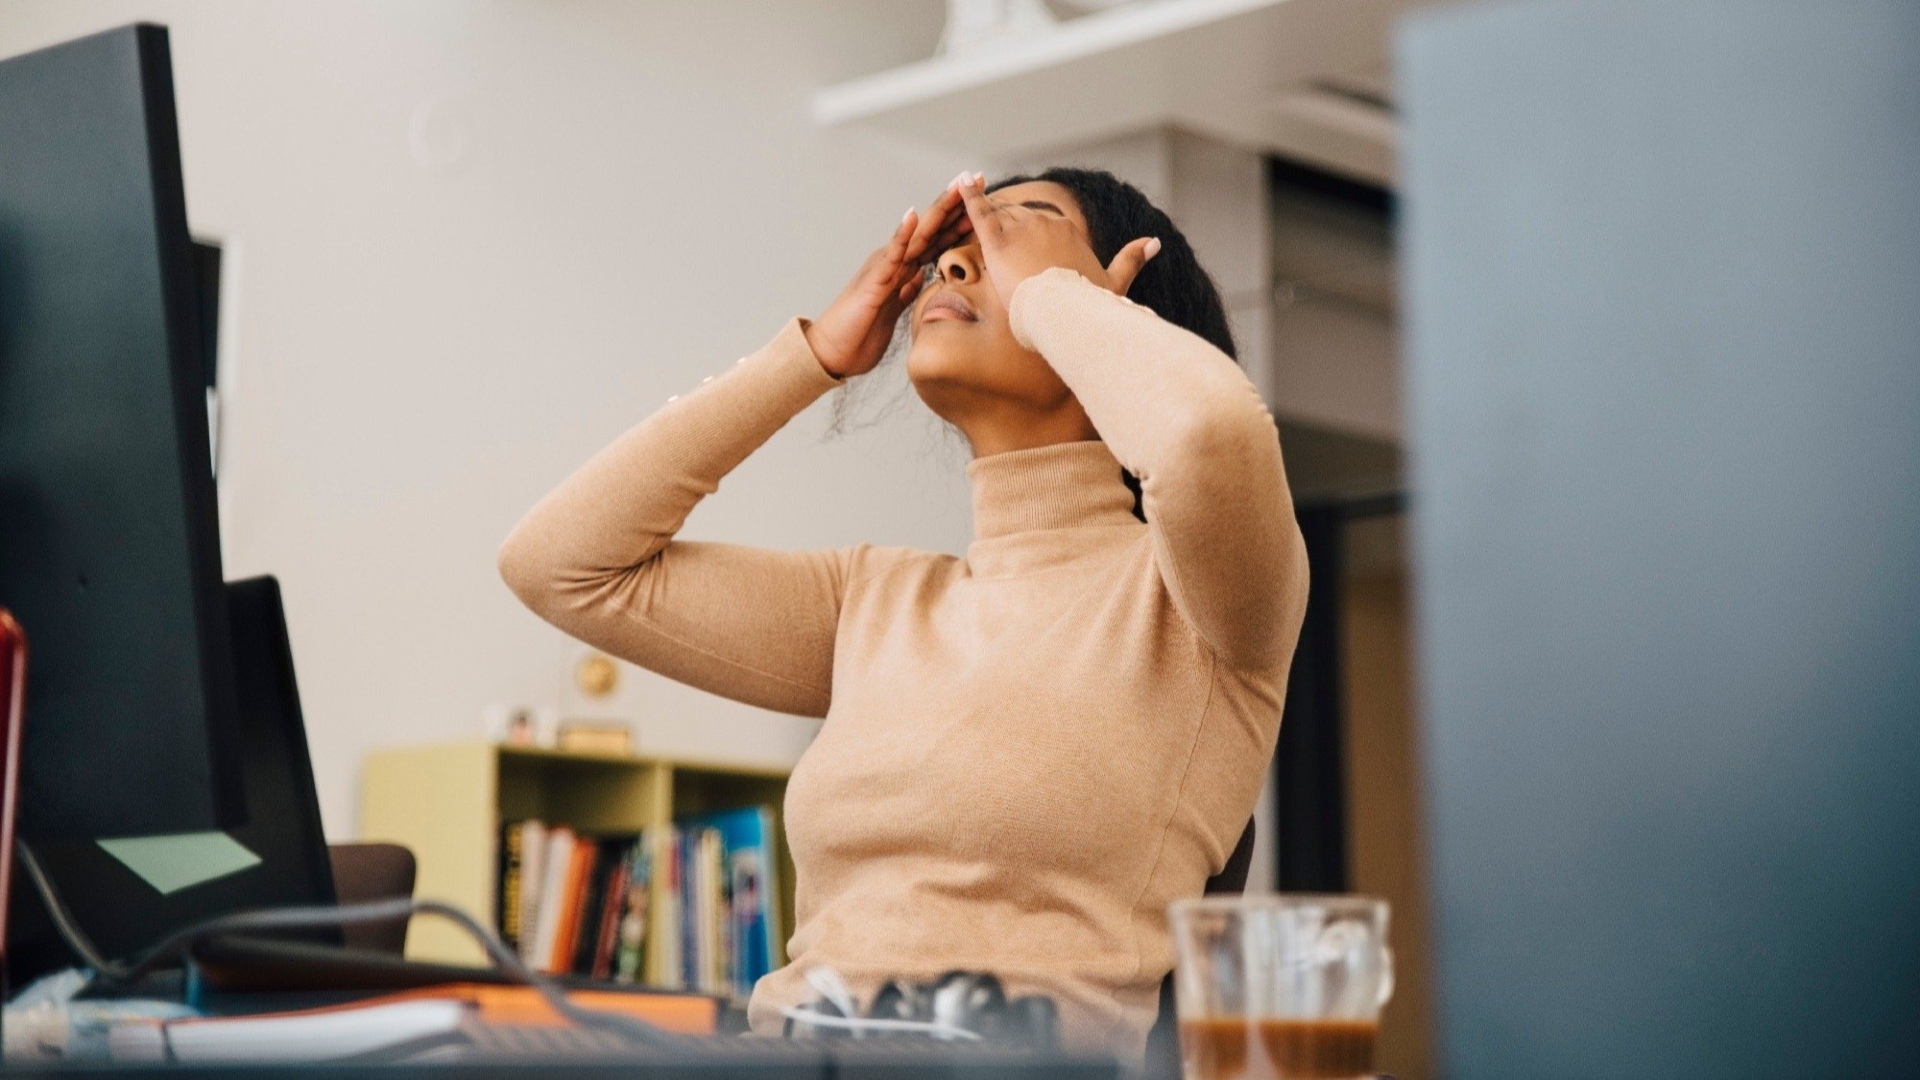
column 947, row 379
column 934, row 360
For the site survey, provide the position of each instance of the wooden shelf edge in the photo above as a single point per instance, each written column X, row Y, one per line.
column 544, row 753
column 1274, row 76
column 1090, row 35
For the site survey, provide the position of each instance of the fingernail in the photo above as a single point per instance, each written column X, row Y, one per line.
column 979, row 179
column 1153, row 247
column 958, row 179
column 907, row 215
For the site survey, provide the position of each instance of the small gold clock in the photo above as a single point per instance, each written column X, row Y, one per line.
column 596, row 675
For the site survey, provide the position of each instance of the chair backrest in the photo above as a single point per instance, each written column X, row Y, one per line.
column 1232, row 877
column 1163, row 1042
column 367, row 872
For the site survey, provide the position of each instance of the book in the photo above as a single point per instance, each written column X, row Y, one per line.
column 600, row 891
column 389, row 1021
column 705, row 848
column 507, row 896
column 668, row 971
column 613, row 737
column 686, row 870
column 557, row 860
column 719, row 903
column 613, row 892
column 689, row 905
column 587, row 923
column 571, row 900
column 630, row 963
column 772, row 875
column 747, row 903
column 533, row 853
column 311, row 1035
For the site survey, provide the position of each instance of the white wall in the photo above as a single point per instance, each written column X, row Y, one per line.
column 477, row 239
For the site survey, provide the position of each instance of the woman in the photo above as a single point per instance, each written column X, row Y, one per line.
column 1029, row 751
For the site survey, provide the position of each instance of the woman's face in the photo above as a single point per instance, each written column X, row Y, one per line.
column 964, row 358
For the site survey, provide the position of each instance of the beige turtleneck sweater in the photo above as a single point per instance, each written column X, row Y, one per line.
column 1027, row 752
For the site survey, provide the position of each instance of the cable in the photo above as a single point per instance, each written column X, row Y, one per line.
column 70, row 931
column 111, row 973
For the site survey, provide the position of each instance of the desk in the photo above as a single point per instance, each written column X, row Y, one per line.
column 506, row 1047
column 732, row 1057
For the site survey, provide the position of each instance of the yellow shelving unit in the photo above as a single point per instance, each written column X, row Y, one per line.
column 447, row 803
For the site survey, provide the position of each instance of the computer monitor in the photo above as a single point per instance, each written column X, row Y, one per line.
column 109, row 543
column 1662, row 268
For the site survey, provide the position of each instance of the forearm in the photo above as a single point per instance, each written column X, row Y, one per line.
column 626, row 503
column 1161, row 396
column 1182, row 417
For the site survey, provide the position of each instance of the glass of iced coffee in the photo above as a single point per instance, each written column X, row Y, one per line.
column 1275, row 987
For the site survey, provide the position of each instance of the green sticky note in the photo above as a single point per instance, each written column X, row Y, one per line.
column 180, row 860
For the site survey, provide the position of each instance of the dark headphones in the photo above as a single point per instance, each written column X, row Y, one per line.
column 969, row 1000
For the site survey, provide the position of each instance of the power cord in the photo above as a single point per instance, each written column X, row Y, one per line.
column 111, row 973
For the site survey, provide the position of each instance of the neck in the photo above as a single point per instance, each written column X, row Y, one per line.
column 997, row 426
column 990, row 443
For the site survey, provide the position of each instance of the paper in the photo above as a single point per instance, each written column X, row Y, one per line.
column 314, row 1035
column 180, row 860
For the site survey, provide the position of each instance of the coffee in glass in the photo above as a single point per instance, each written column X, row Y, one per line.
column 1280, row 986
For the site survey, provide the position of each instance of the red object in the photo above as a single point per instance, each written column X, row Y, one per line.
column 611, row 908
column 13, row 708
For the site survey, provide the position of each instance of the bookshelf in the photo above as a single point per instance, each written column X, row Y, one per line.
column 447, row 803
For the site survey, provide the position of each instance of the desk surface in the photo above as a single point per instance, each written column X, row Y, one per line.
column 727, row 1057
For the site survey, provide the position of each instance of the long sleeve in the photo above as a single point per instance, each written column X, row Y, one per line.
column 597, row 557
column 1182, row 417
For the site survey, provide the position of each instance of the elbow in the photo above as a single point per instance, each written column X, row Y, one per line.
column 1230, row 437
column 523, row 566
column 548, row 572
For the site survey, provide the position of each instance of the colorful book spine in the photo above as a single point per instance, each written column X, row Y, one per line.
column 506, row 901
column 746, row 887
column 687, row 866
column 613, row 895
column 672, row 943
column 533, row 861
column 630, row 964
column 720, row 901
column 572, row 899
column 689, row 905
column 592, row 897
column 551, row 905
column 706, row 854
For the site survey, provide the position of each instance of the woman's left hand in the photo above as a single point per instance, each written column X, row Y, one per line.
column 1018, row 242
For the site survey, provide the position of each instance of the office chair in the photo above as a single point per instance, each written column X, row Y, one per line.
column 367, row 872
column 1163, row 1042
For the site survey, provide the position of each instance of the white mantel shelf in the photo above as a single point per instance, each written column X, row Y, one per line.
column 1239, row 70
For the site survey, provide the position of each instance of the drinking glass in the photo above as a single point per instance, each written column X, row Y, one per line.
column 1274, row 987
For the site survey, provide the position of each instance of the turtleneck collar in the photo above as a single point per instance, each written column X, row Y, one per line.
column 1066, row 485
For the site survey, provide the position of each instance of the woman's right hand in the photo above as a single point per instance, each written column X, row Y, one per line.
column 852, row 334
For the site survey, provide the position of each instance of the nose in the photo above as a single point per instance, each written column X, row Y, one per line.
column 960, row 263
